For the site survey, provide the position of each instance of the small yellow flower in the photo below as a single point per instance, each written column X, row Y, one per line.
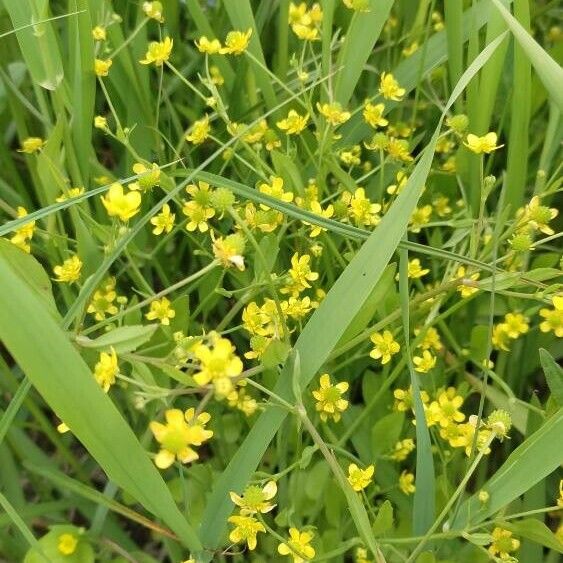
column 333, row 113
column 361, row 555
column 560, row 499
column 485, row 144
column 158, row 52
column 200, row 131
column 441, row 206
column 164, row 221
column 101, row 66
column 246, row 529
column 120, row 204
column 420, row 217
column 106, row 370
column 430, row 339
column 503, row 544
column 229, row 250
column 553, row 317
column 69, row 270
column 373, row 115
column 305, row 32
column 445, row 410
column 358, row 478
column 398, row 149
column 424, row 363
column 360, row 208
column 385, row 346
column 329, row 398
column 209, row 46
column 275, row 189
column 70, row 193
column 23, row 235
column 537, row 216
column 404, row 399
column 298, row 546
column 402, row 449
column 516, row 324
column 300, row 274
column 406, row 483
column 67, row 543
column 160, row 309
column 148, row 176
column 294, row 123
column 236, row 42
column 31, row 145
column 153, row 10
column 467, row 288
column 102, row 301
column 415, row 270
column 99, row 33
column 181, row 431
column 100, row 122
column 256, row 499
column 389, row 88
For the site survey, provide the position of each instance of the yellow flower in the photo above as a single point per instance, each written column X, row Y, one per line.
column 373, row 115
column 298, row 546
column 441, row 206
column 485, row 144
column 31, row 145
column 120, row 204
column 516, row 324
column 209, row 46
column 411, row 49
column 560, row 499
column 99, row 33
column 148, row 176
column 106, row 370
column 240, row 400
column 329, row 398
column 294, row 123
column 467, row 288
column 424, row 363
column 385, row 346
column 164, row 221
column 246, row 529
column 299, row 14
column 402, row 449
column 67, row 543
column 236, row 42
column 100, row 122
column 326, row 213
column 499, row 337
column 420, row 217
column 415, row 270
column 503, row 544
column 102, row 301
column 406, row 483
column 358, row 478
column 218, row 364
column 256, row 499
column 553, row 317
column 181, row 431
column 389, row 88
column 200, row 131
column 158, row 52
column 161, row 310
column 333, row 113
column 360, row 208
column 153, row 10
column 101, row 66
column 300, row 274
column 404, row 399
column 537, row 216
column 430, row 338
column 398, row 149
column 23, row 235
column 70, row 193
column 229, row 250
column 361, row 555
column 445, row 410
column 275, row 189
column 69, row 270
column 305, row 32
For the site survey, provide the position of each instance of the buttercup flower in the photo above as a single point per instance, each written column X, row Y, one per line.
column 236, row 42
column 164, row 221
column 389, row 88
column 23, row 235
column 329, row 398
column 553, row 317
column 32, row 145
column 209, row 46
column 158, row 52
column 256, row 499
column 358, row 478
column 424, row 363
column 406, row 483
column 503, row 544
column 106, row 370
column 373, row 115
column 294, row 123
column 200, row 131
column 402, row 449
column 102, row 301
column 385, row 346
column 101, row 67
column 333, row 113
column 153, row 10
column 148, row 176
column 99, row 33
column 69, row 270
column 120, row 204
column 485, row 144
column 246, row 529
column 298, row 546
column 161, row 310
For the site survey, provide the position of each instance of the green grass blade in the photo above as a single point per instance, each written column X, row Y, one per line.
column 528, row 464
column 358, row 44
column 553, row 376
column 55, row 368
column 13, row 407
column 453, row 13
column 549, row 72
column 18, row 522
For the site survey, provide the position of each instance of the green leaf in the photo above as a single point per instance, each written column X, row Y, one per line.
column 549, row 72
column 384, row 519
column 122, row 339
column 358, row 44
column 553, row 375
column 528, row 464
column 536, row 531
column 59, row 374
column 386, row 432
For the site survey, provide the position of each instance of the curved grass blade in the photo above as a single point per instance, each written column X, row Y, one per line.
column 43, row 351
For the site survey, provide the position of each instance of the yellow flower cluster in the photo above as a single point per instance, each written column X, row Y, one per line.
column 514, row 325
column 23, row 235
column 305, row 22
column 236, row 43
column 102, row 302
column 329, row 398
